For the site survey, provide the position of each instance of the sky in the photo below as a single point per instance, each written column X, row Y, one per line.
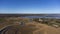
column 30, row 6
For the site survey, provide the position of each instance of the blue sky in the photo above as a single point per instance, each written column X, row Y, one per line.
column 30, row 6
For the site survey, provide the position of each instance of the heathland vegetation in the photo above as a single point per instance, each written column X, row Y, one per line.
column 20, row 25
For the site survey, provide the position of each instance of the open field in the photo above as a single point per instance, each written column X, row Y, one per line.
column 20, row 25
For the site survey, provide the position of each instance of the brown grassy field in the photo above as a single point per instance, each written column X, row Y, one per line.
column 29, row 26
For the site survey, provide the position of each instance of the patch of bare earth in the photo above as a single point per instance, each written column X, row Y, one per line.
column 45, row 29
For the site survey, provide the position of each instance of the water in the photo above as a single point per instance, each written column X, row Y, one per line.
column 45, row 16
